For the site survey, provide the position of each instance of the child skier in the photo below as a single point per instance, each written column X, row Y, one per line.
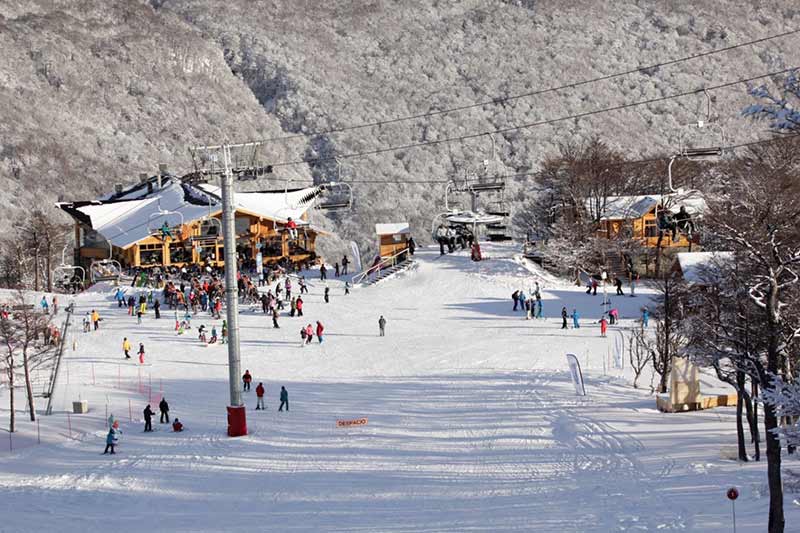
column 141, row 353
column 126, row 347
column 603, row 326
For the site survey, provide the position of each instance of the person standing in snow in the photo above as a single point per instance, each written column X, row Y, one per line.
column 112, row 438
column 618, row 285
column 246, row 379
column 336, row 271
column 576, row 319
column 345, row 262
column 55, row 305
column 45, row 306
column 515, row 298
column 539, row 312
column 95, row 319
column 327, row 294
column 141, row 353
column 293, row 307
column 163, row 406
column 299, row 306
column 260, row 397
column 522, row 300
column 309, row 334
column 382, row 326
column 275, row 318
column 320, row 329
column 323, row 272
column 603, row 326
column 564, row 318
column 224, row 339
column 126, row 347
column 645, row 317
column 302, row 337
column 148, row 418
column 284, row 399
column 346, row 288
column 157, row 308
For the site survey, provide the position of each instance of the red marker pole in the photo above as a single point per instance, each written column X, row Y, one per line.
column 732, row 494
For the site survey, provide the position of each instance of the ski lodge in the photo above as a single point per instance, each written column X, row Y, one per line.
column 165, row 221
column 637, row 217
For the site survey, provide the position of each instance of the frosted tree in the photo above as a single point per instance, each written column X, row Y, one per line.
column 782, row 108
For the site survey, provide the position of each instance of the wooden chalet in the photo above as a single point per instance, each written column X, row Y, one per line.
column 163, row 221
column 392, row 238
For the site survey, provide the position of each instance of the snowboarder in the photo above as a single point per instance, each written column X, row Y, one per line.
column 284, row 399
column 327, row 294
column 163, row 406
column 177, row 426
column 246, row 379
column 564, row 318
column 112, row 438
column 141, row 353
column 382, row 326
column 603, row 326
column 320, row 329
column 148, row 418
column 260, row 397
column 126, row 347
column 576, row 319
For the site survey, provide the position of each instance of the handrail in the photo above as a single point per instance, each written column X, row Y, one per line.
column 358, row 278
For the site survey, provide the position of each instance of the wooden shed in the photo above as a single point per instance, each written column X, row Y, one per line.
column 393, row 238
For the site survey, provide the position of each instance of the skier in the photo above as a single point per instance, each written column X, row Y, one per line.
column 246, row 379
column 347, row 287
column 201, row 333
column 260, row 397
column 522, row 300
column 603, row 326
column 645, row 317
column 302, row 337
column 213, row 338
column 515, row 297
column 323, row 272
column 139, row 315
column 112, row 438
column 618, row 285
column 141, row 353
column 163, row 406
column 309, row 334
column 575, row 319
column 336, row 270
column 275, row 318
column 302, row 283
column 327, row 293
column 87, row 321
column 299, row 306
column 148, row 418
column 293, row 307
column 157, row 309
column 177, row 426
column 95, row 319
column 345, row 262
column 45, row 306
column 539, row 308
column 563, row 318
column 382, row 326
column 119, row 297
column 224, row 332
column 320, row 329
column 55, row 305
column 284, row 399
column 165, row 231
column 613, row 316
column 126, row 347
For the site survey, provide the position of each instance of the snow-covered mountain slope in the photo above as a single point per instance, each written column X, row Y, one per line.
column 473, row 423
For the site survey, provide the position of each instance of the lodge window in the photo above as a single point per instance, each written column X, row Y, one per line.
column 178, row 253
column 650, row 228
column 151, row 254
column 271, row 247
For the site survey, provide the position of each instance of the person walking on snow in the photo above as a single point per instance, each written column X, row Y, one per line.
column 157, row 309
column 299, row 306
column 275, row 318
column 336, row 271
column 382, row 326
column 148, row 418
column 95, row 319
column 141, row 353
column 618, row 285
column 163, row 406
column 320, row 329
column 323, row 272
column 260, row 397
column 284, row 399
column 345, row 262
column 575, row 319
column 45, row 306
column 603, row 326
column 246, row 379
column 515, row 297
column 563, row 318
column 302, row 337
column 309, row 334
column 539, row 312
column 126, row 347
column 645, row 317
column 112, row 438
column 522, row 300
column 327, row 294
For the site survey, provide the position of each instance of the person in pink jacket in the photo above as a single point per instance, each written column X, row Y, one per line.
column 309, row 334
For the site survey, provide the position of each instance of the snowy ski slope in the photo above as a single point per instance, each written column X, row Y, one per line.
column 473, row 423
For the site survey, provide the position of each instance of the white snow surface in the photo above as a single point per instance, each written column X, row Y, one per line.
column 473, row 423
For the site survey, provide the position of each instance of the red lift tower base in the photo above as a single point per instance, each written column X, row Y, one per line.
column 237, row 421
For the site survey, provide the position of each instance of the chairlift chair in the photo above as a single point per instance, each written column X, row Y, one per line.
column 105, row 269
column 336, row 195
column 165, row 221
column 65, row 275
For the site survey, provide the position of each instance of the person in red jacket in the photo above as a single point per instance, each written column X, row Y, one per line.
column 320, row 329
column 603, row 326
column 246, row 379
column 260, row 396
column 299, row 306
column 177, row 426
column 309, row 334
column 292, row 227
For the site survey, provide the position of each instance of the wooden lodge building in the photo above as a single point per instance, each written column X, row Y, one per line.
column 164, row 221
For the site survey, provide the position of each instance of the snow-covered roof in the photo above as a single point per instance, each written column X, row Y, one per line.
column 470, row 217
column 393, row 228
column 693, row 264
column 630, row 207
column 129, row 217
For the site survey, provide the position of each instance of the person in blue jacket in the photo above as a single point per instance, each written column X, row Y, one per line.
column 575, row 319
column 645, row 317
column 284, row 399
column 112, row 438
